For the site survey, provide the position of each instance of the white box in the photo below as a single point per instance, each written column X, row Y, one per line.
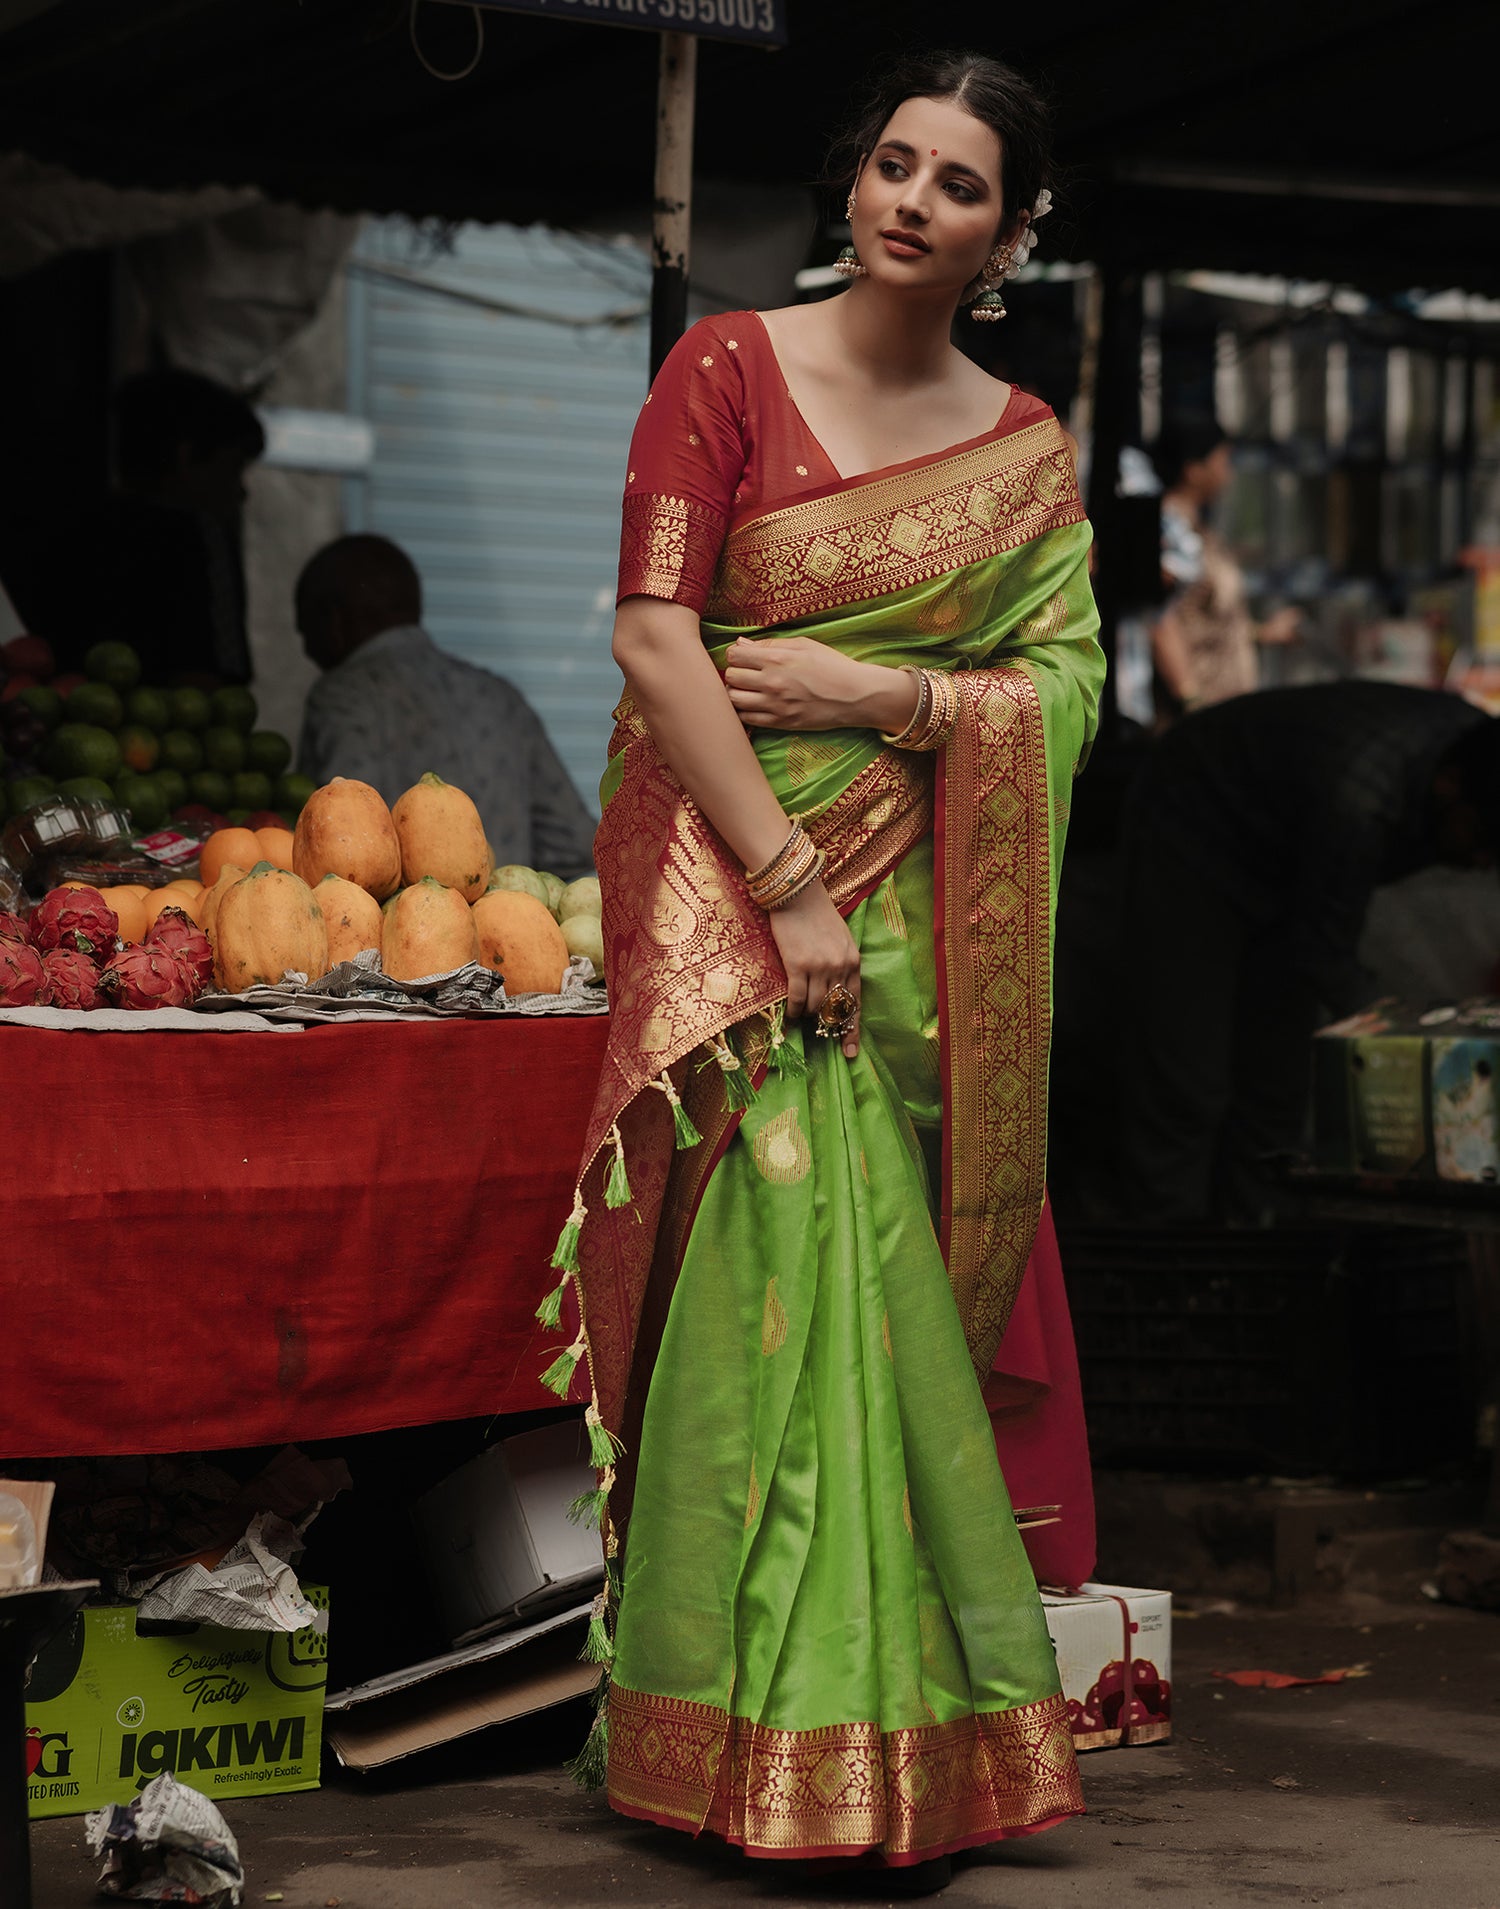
column 1114, row 1654
column 496, row 1537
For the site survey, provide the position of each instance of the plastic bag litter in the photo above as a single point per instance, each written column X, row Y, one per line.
column 169, row 1845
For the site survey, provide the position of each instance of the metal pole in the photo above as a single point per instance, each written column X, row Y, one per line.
column 672, row 207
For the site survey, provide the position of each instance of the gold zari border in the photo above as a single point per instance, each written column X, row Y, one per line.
column 893, row 532
column 997, row 1012
column 847, row 1787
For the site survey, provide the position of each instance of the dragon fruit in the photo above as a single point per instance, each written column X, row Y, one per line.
column 12, row 928
column 177, row 933
column 23, row 979
column 76, row 918
column 140, row 976
column 72, row 978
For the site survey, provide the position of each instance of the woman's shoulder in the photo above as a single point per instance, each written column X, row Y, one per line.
column 1025, row 408
column 728, row 329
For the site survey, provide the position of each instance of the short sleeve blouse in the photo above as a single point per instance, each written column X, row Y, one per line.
column 719, row 437
column 687, row 458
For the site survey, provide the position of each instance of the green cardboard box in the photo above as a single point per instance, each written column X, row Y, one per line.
column 230, row 1713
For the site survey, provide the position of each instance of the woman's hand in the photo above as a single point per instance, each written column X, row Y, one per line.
column 793, row 682
column 818, row 953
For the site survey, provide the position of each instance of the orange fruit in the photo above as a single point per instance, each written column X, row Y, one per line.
column 190, row 905
column 228, row 845
column 129, row 904
column 276, row 846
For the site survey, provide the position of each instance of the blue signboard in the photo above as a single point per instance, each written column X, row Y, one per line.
column 758, row 22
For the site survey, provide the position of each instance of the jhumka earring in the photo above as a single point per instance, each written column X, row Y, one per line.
column 847, row 263
column 989, row 307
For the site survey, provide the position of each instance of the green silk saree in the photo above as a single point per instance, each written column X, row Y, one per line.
column 790, row 1271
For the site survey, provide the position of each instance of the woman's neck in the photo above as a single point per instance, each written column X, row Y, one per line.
column 892, row 337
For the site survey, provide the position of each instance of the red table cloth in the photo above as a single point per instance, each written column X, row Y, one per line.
column 212, row 1240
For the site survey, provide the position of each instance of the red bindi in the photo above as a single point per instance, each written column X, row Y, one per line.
column 934, row 152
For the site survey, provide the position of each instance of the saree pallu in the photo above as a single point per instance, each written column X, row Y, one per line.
column 790, row 1271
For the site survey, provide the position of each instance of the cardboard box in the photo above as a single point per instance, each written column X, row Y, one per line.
column 232, row 1713
column 1114, row 1654
column 1410, row 1094
column 496, row 1537
column 435, row 1702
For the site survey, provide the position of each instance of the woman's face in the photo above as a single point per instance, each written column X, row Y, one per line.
column 927, row 206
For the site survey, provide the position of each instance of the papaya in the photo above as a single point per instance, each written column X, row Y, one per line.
column 519, row 939
column 352, row 916
column 208, row 911
column 442, row 837
column 346, row 829
column 267, row 924
column 429, row 929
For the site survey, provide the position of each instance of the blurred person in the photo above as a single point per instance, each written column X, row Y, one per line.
column 1254, row 837
column 390, row 705
column 1205, row 642
column 854, row 621
column 166, row 572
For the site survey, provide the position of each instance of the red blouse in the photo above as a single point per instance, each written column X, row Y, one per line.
column 719, row 437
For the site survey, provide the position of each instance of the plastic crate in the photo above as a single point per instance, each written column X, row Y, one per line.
column 1294, row 1352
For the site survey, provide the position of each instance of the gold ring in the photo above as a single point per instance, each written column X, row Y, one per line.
column 837, row 1012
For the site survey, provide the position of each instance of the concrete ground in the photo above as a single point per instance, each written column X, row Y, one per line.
column 1382, row 1791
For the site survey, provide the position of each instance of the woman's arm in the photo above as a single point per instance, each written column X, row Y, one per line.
column 693, row 723
column 795, row 682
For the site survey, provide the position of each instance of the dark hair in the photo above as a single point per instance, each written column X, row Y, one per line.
column 158, row 412
column 996, row 95
column 1186, row 439
column 369, row 576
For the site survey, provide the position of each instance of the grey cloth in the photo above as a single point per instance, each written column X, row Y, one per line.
column 400, row 706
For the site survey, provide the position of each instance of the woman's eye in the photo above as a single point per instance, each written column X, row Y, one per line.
column 962, row 191
column 890, row 167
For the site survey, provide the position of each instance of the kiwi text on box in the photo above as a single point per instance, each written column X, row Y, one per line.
column 231, row 1713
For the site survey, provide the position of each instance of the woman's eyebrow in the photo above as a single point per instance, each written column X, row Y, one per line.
column 910, row 152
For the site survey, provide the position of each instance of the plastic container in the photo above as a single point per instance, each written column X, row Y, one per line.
column 19, row 1565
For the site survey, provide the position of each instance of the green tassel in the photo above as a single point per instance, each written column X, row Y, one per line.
column 588, row 1508
column 590, row 1767
column 549, row 1313
column 786, row 1056
column 687, row 1134
column 739, row 1088
column 604, row 1447
column 598, row 1646
column 565, row 1253
column 559, row 1375
column 617, row 1188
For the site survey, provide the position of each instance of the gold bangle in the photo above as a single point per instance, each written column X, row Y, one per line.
column 943, row 713
column 789, row 851
column 797, row 883
column 920, row 715
column 796, row 863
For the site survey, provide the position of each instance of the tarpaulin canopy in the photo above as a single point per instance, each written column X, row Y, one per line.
column 1306, row 137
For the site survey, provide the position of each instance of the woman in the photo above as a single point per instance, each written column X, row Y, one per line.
column 853, row 591
column 1205, row 640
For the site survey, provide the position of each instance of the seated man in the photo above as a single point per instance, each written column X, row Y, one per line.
column 391, row 705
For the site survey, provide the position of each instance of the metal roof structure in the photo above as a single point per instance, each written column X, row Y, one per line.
column 1316, row 138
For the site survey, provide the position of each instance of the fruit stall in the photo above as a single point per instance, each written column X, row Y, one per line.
column 229, row 1222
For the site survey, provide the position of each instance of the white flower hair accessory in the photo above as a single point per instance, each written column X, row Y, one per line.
column 1025, row 244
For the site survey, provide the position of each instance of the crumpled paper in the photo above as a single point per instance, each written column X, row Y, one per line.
column 252, row 1588
column 169, row 1845
column 358, row 990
